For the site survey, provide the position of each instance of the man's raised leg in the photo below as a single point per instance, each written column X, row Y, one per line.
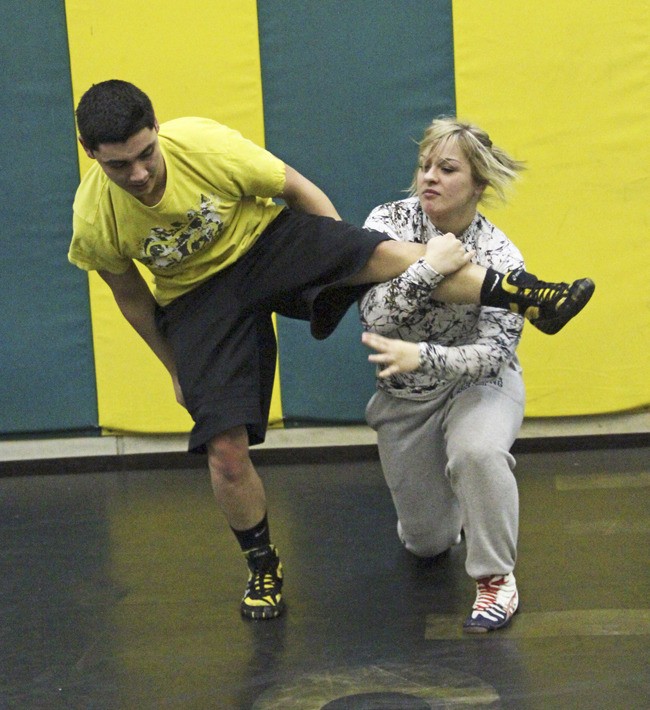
column 549, row 306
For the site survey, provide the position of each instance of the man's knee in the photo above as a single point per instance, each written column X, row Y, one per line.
column 228, row 455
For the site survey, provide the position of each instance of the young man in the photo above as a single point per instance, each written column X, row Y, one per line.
column 192, row 201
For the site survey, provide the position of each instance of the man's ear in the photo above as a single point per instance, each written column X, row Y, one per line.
column 87, row 150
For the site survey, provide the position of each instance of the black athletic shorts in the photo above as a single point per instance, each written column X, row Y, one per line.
column 222, row 331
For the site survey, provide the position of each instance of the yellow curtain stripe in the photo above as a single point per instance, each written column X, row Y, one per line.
column 192, row 58
column 565, row 87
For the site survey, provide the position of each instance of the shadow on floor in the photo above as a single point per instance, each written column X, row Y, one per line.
column 120, row 589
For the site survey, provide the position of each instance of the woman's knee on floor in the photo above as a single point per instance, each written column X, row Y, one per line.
column 431, row 542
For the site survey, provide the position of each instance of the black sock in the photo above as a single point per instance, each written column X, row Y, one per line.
column 492, row 293
column 257, row 536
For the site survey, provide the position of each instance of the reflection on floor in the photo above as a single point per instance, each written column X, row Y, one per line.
column 120, row 589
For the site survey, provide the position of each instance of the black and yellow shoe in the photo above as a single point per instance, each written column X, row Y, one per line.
column 548, row 306
column 263, row 597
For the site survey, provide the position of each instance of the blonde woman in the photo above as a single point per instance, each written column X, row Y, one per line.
column 450, row 395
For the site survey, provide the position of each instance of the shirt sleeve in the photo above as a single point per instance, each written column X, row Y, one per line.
column 90, row 252
column 382, row 220
column 235, row 166
column 498, row 334
column 254, row 171
column 400, row 303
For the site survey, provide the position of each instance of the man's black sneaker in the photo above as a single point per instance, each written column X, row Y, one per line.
column 548, row 306
column 263, row 598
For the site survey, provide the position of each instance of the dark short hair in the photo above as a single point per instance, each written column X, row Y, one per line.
column 113, row 111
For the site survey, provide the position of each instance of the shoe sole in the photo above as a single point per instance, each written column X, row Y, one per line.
column 576, row 301
column 263, row 613
column 486, row 629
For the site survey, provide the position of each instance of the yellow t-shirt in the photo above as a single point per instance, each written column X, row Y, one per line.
column 216, row 204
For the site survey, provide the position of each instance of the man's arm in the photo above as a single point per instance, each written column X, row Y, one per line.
column 137, row 304
column 446, row 254
column 301, row 194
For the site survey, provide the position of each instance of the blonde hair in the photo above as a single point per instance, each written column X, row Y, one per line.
column 491, row 166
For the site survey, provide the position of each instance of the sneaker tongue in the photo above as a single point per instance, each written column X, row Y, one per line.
column 260, row 556
column 522, row 278
column 258, row 552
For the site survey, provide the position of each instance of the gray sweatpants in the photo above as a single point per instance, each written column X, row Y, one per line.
column 448, row 466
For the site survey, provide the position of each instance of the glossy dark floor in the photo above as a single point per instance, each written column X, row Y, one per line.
column 120, row 589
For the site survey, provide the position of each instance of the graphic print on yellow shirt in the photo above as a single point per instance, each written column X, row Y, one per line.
column 166, row 247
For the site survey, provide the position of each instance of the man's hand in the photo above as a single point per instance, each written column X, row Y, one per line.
column 393, row 355
column 446, row 254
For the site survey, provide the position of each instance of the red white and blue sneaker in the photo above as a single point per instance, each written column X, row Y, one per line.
column 496, row 602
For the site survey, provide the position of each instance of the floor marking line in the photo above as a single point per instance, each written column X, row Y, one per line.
column 550, row 624
column 593, row 481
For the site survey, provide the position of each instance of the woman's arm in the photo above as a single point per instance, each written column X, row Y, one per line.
column 499, row 333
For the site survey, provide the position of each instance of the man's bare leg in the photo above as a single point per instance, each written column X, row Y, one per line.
column 237, row 487
column 445, row 254
column 549, row 306
column 239, row 493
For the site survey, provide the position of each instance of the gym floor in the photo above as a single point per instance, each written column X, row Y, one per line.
column 120, row 586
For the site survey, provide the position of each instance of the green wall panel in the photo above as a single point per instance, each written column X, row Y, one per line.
column 348, row 87
column 46, row 369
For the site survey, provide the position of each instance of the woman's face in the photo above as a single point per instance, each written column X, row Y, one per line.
column 446, row 189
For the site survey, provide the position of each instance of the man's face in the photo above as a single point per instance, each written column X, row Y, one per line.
column 136, row 165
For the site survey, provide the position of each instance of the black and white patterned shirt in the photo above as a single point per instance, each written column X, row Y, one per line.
column 458, row 344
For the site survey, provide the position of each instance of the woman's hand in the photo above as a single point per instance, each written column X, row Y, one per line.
column 393, row 355
column 446, row 254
